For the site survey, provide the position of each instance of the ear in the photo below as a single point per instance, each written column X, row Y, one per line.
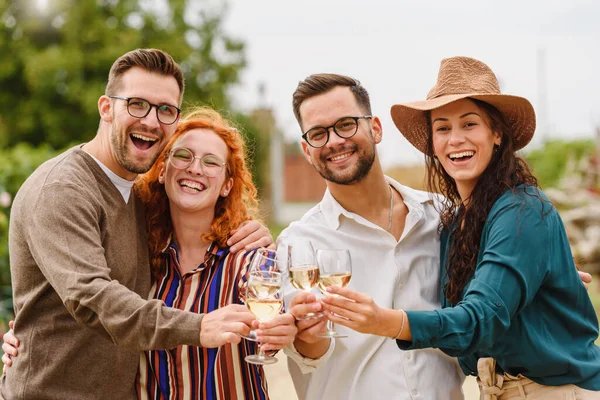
column 105, row 108
column 161, row 174
column 226, row 188
column 376, row 129
column 306, row 149
column 497, row 139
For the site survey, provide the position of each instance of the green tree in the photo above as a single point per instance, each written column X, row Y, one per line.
column 548, row 163
column 54, row 66
column 16, row 164
column 55, row 60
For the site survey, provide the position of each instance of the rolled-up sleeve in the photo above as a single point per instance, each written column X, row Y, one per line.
column 510, row 270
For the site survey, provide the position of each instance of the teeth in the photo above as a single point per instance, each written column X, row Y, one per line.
column 341, row 156
column 463, row 154
column 192, row 185
column 142, row 137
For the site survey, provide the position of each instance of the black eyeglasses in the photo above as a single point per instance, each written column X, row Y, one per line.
column 139, row 108
column 345, row 127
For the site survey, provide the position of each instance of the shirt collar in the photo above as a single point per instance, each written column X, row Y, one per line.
column 414, row 199
column 213, row 250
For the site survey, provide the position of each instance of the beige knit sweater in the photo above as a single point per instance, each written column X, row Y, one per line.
column 80, row 276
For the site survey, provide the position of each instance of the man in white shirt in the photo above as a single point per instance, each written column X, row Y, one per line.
column 391, row 232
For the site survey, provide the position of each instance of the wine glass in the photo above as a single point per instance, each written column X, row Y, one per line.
column 264, row 296
column 336, row 270
column 303, row 270
column 263, row 260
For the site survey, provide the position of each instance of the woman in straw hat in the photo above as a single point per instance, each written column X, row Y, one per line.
column 515, row 311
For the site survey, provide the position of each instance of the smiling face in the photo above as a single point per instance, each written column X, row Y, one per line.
column 189, row 189
column 137, row 142
column 341, row 161
column 463, row 142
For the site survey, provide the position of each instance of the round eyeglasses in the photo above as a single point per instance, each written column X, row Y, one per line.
column 182, row 158
column 345, row 127
column 137, row 107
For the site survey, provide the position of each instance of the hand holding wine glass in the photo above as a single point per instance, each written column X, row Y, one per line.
column 335, row 270
column 303, row 270
column 264, row 295
column 264, row 299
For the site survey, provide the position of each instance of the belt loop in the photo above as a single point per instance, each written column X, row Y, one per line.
column 521, row 389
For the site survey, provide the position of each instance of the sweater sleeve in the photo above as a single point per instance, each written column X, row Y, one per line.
column 511, row 269
column 73, row 261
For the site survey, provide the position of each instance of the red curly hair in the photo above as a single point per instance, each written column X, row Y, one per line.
column 240, row 205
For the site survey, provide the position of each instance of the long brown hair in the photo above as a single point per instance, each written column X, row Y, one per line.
column 240, row 205
column 465, row 224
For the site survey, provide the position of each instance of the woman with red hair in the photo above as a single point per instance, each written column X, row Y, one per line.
column 196, row 195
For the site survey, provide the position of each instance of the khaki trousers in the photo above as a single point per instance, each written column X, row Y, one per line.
column 494, row 386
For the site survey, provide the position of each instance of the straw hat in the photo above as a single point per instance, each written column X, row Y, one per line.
column 458, row 78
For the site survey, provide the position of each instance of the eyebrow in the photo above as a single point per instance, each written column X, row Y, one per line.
column 461, row 117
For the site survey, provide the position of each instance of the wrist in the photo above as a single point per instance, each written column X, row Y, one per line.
column 313, row 350
column 396, row 324
column 391, row 323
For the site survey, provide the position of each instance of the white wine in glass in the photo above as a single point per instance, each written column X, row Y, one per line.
column 264, row 309
column 303, row 269
column 340, row 280
column 336, row 270
column 264, row 299
column 304, row 277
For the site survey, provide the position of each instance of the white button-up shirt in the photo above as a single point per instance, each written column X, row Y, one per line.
column 400, row 274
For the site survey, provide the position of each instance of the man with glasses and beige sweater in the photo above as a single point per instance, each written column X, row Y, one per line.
column 79, row 250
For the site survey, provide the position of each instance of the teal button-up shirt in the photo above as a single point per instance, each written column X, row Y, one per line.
column 525, row 305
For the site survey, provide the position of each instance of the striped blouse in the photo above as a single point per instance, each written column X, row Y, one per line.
column 189, row 372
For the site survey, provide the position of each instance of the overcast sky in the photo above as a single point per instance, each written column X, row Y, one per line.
column 394, row 48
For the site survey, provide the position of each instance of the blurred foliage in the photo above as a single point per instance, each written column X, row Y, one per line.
column 56, row 59
column 16, row 164
column 548, row 163
column 257, row 146
column 55, row 63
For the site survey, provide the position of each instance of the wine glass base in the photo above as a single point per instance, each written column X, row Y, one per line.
column 331, row 335
column 310, row 316
column 260, row 360
column 251, row 336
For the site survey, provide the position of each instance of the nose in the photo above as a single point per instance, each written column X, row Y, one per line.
column 334, row 138
column 456, row 138
column 151, row 120
column 195, row 167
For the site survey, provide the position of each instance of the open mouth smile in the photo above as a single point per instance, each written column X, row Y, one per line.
column 339, row 157
column 193, row 185
column 461, row 156
column 142, row 142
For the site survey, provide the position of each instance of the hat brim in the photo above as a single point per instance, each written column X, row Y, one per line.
column 411, row 121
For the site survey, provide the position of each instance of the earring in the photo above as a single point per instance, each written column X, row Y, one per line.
column 496, row 147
